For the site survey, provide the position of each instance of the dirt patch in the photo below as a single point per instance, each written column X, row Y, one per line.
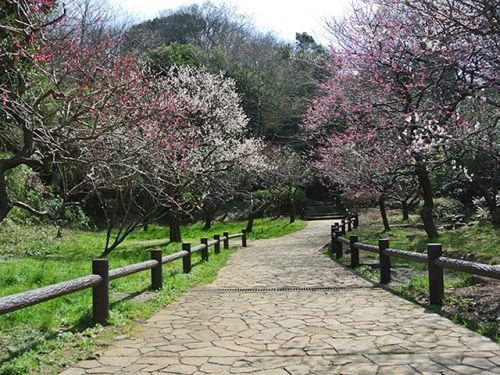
column 403, row 275
column 479, row 302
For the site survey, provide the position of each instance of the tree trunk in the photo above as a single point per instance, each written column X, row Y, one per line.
column 426, row 191
column 175, row 229
column 251, row 218
column 491, row 202
column 5, row 204
column 406, row 210
column 383, row 212
column 495, row 217
column 293, row 208
column 252, row 215
column 208, row 222
column 293, row 213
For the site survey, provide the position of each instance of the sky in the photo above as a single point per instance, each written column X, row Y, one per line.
column 284, row 17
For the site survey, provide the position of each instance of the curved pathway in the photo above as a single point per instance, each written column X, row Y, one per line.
column 280, row 307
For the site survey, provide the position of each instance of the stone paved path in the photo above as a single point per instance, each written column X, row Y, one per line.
column 346, row 331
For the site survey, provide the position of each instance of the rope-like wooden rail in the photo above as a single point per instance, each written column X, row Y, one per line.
column 365, row 246
column 479, row 269
column 101, row 277
column 409, row 255
column 133, row 268
column 32, row 297
column 434, row 259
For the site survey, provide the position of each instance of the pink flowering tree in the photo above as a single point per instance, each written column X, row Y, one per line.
column 77, row 110
column 395, row 69
column 367, row 165
column 60, row 99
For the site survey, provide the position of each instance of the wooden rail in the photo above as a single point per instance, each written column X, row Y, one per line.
column 99, row 280
column 434, row 259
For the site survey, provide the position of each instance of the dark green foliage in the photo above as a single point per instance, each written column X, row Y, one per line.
column 26, row 185
column 164, row 57
column 284, row 201
column 182, row 26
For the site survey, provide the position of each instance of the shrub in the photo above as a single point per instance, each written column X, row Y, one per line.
column 447, row 209
column 25, row 185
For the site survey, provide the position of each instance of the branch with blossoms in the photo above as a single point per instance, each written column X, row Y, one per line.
column 75, row 110
column 367, row 165
column 396, row 69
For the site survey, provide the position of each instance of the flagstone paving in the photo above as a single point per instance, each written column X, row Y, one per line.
column 363, row 330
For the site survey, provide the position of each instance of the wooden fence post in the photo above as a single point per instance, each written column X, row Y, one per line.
column 217, row 244
column 385, row 262
column 342, row 227
column 354, row 251
column 333, row 229
column 226, row 240
column 204, row 251
column 334, row 242
column 156, row 272
column 349, row 225
column 186, row 261
column 356, row 220
column 244, row 238
column 100, row 293
column 338, row 246
column 436, row 282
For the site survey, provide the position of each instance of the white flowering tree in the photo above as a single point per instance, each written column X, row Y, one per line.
column 229, row 183
column 209, row 146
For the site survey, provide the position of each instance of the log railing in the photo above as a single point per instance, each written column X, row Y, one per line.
column 434, row 259
column 102, row 275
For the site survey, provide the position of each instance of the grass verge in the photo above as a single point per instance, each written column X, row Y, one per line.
column 51, row 335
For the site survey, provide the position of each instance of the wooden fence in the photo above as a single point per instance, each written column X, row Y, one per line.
column 434, row 259
column 102, row 275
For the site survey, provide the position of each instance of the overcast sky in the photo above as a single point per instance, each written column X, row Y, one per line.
column 284, row 17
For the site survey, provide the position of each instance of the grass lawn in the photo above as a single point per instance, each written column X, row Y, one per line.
column 47, row 336
column 480, row 240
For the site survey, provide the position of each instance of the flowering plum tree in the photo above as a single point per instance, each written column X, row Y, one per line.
column 395, row 68
column 280, row 173
column 207, row 144
column 229, row 183
column 285, row 173
column 60, row 98
column 368, row 165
